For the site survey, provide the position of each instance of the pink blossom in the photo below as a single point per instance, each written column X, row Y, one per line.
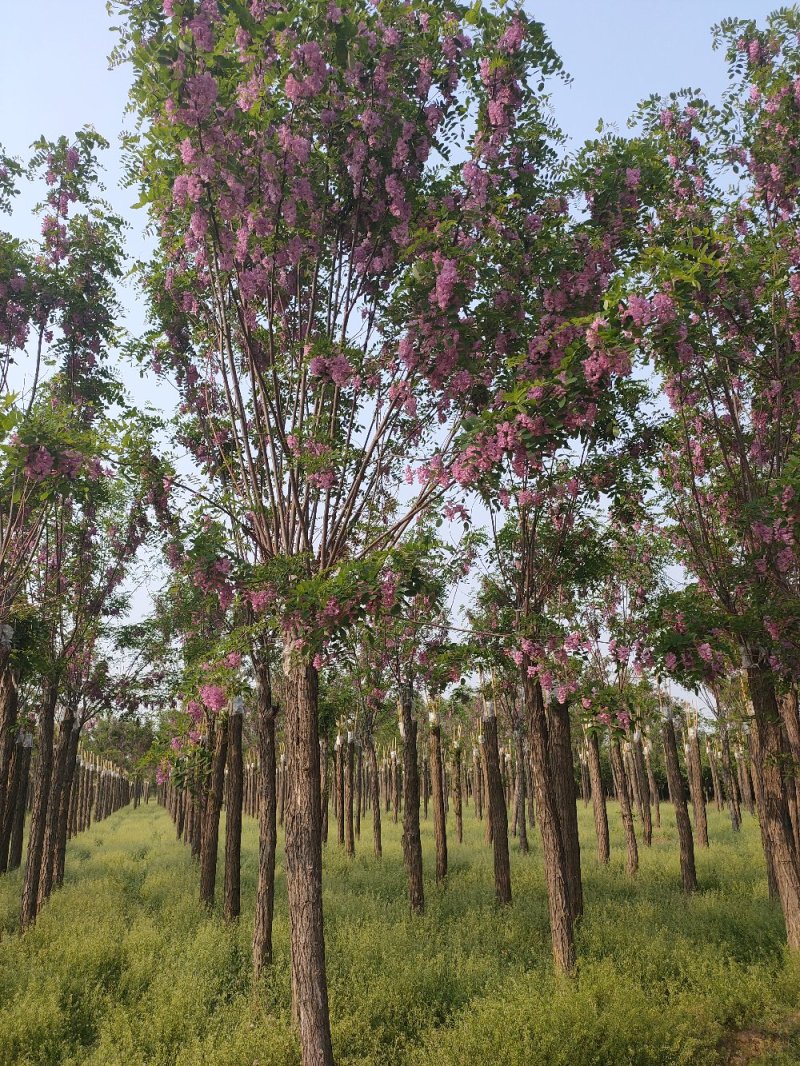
column 262, row 598
column 213, row 696
column 39, row 463
column 446, row 281
column 513, row 37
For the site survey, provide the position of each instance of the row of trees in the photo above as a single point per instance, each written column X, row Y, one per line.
column 387, row 299
column 496, row 780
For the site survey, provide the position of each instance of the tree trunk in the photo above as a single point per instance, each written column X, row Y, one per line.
column 9, row 704
column 567, row 802
column 9, row 803
column 498, row 814
column 324, row 785
column 728, row 777
column 642, row 788
column 374, row 784
column 696, row 786
column 791, row 722
column 282, row 790
column 439, row 818
column 348, row 754
column 65, row 804
column 531, row 791
column 209, row 844
column 715, row 782
column 359, row 786
column 522, row 825
column 598, row 797
column 233, row 815
column 651, row 782
column 57, row 783
column 267, row 804
column 477, row 784
column 412, row 845
column 586, row 788
column 745, row 784
column 458, row 795
column 555, row 866
column 304, row 864
column 623, row 797
column 488, row 833
column 341, row 758
column 20, row 803
column 772, row 878
column 38, row 820
column 769, row 771
column 678, row 794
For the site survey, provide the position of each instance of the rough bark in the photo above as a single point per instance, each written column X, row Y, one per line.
column 498, row 814
column 561, row 921
column 340, row 790
column 20, row 803
column 65, row 804
column 715, row 782
column 772, row 880
column 349, row 796
column 374, row 782
column 623, row 797
column 9, row 703
column 598, row 797
column 642, row 788
column 412, row 844
column 324, row 785
column 678, row 795
column 745, row 783
column 359, row 789
column 437, row 789
column 267, row 822
column 209, row 844
column 57, row 783
column 233, row 816
column 38, row 819
column 566, row 800
column 304, row 865
column 586, row 788
column 487, row 793
column 769, row 769
column 458, row 795
column 695, row 769
column 521, row 793
column 729, row 778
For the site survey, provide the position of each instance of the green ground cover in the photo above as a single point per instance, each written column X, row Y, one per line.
column 125, row 968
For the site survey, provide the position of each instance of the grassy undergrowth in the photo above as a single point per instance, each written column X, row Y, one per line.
column 125, row 968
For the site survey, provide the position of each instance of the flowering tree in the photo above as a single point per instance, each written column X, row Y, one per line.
column 326, row 290
column 74, row 585
column 712, row 298
column 57, row 320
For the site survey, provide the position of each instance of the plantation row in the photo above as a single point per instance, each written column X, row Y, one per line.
column 493, row 784
column 457, row 459
column 62, row 799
